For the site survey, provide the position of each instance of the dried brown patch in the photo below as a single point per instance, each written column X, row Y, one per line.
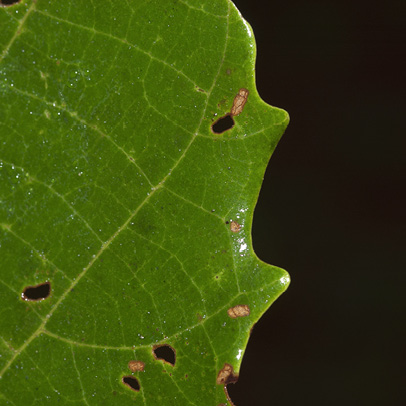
column 136, row 366
column 235, row 227
column 226, row 375
column 239, row 102
column 238, row 311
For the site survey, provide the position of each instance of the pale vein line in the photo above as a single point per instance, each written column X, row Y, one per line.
column 8, row 400
column 210, row 92
column 164, row 340
column 52, row 190
column 75, row 282
column 9, row 346
column 122, row 227
column 40, row 256
column 122, row 40
column 18, row 31
column 201, row 10
column 76, row 117
column 193, row 204
column 78, row 373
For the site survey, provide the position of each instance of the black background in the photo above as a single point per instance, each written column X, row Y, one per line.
column 332, row 207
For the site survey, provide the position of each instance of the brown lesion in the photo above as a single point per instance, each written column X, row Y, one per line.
column 226, row 375
column 238, row 311
column 239, row 102
column 235, row 227
column 136, row 366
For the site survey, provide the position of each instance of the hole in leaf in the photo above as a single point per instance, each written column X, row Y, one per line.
column 228, row 395
column 36, row 293
column 8, row 2
column 165, row 353
column 131, row 382
column 223, row 124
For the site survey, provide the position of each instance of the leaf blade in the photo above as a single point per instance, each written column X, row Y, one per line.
column 130, row 224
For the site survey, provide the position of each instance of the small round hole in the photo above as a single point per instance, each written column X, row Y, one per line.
column 165, row 353
column 8, row 2
column 131, row 382
column 223, row 124
column 37, row 292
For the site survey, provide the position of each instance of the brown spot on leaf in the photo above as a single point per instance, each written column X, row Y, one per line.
column 235, row 227
column 238, row 311
column 239, row 102
column 136, row 366
column 226, row 375
column 36, row 293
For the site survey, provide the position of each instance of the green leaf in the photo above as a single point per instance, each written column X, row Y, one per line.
column 115, row 191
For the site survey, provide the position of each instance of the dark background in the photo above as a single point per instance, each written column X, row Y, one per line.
column 332, row 207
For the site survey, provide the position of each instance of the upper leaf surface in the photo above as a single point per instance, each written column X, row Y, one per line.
column 115, row 190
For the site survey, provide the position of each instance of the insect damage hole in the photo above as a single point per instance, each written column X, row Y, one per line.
column 36, row 293
column 223, row 124
column 165, row 353
column 8, row 2
column 131, row 382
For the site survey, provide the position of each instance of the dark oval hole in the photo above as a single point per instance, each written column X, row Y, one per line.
column 131, row 382
column 165, row 353
column 36, row 293
column 223, row 124
column 8, row 2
